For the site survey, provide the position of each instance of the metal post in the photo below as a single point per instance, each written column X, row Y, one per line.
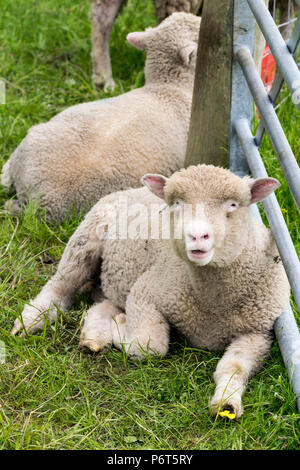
column 241, row 98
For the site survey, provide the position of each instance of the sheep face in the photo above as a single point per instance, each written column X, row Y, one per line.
column 210, row 209
column 171, row 47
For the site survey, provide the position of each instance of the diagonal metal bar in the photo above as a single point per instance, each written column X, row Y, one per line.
column 281, row 52
column 285, row 327
column 278, row 82
column 279, row 141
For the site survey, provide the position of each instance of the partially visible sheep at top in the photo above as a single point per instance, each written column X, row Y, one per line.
column 103, row 16
column 95, row 148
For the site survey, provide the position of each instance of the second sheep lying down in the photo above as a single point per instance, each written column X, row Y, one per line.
column 219, row 281
column 93, row 149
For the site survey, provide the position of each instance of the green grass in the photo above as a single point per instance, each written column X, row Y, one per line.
column 52, row 396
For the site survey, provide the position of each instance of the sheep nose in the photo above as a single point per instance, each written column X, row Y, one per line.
column 199, row 232
column 198, row 237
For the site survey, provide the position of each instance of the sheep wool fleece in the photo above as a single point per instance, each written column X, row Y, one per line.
column 93, row 149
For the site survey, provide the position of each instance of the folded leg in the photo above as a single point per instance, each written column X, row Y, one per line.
column 96, row 333
column 143, row 330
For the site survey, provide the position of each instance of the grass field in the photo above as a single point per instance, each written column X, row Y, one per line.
column 52, row 396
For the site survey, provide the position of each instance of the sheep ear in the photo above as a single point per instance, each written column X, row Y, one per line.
column 262, row 188
column 138, row 39
column 187, row 52
column 156, row 184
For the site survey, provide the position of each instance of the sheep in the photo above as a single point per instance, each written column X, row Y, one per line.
column 216, row 276
column 103, row 16
column 92, row 149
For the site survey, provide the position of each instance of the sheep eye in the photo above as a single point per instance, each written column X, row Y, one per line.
column 176, row 205
column 232, row 206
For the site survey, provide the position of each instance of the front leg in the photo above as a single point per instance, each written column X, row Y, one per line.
column 242, row 359
column 103, row 15
column 96, row 333
column 78, row 265
column 143, row 330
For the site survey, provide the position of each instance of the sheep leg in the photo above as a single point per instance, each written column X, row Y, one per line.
column 12, row 207
column 140, row 332
column 242, row 359
column 96, row 333
column 78, row 265
column 164, row 8
column 103, row 15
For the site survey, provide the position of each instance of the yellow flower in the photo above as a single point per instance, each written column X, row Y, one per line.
column 227, row 414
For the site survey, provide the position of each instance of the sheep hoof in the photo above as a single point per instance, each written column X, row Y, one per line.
column 16, row 328
column 93, row 346
column 120, row 319
column 109, row 85
column 232, row 404
column 101, row 82
column 12, row 207
column 15, row 331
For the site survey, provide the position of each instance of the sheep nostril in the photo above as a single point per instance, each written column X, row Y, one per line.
column 192, row 238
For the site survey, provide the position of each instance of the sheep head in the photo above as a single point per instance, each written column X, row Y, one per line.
column 209, row 207
column 171, row 47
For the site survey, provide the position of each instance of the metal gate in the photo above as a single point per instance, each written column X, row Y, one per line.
column 226, row 83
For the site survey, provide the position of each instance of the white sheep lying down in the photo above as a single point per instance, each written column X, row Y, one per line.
column 218, row 277
column 93, row 149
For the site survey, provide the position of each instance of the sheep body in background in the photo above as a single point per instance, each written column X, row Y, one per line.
column 221, row 283
column 95, row 148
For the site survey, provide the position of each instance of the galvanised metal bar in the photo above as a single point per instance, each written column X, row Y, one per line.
column 288, row 337
column 278, row 82
column 277, row 223
column 285, row 327
column 282, row 55
column 280, row 143
column 241, row 98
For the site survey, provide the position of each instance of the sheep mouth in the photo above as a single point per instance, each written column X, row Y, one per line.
column 199, row 254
